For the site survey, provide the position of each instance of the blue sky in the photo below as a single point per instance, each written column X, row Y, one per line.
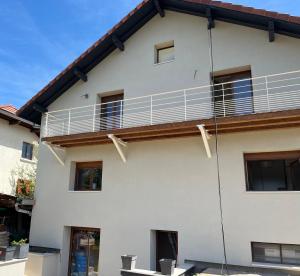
column 40, row 38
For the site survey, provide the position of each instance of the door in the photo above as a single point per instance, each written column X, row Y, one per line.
column 84, row 251
column 166, row 246
column 111, row 112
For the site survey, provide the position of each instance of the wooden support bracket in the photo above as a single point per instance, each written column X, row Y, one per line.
column 119, row 143
column 205, row 137
column 159, row 8
column 118, row 43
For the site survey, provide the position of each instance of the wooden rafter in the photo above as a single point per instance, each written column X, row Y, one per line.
column 79, row 73
column 118, row 43
column 271, row 28
column 159, row 8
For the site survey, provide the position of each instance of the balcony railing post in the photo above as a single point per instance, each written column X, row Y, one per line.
column 121, row 113
column 69, row 124
column 151, row 110
column 94, row 117
column 267, row 91
column 184, row 93
column 46, row 125
column 224, row 106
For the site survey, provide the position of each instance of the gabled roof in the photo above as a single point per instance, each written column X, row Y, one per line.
column 257, row 18
column 7, row 112
column 10, row 108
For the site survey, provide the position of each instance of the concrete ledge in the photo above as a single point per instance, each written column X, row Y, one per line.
column 183, row 270
column 13, row 267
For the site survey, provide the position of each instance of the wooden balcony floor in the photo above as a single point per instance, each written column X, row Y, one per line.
column 261, row 121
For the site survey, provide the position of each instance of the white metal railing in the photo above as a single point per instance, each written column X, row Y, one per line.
column 247, row 96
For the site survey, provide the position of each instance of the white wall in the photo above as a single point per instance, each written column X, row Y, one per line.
column 170, row 184
column 11, row 140
column 167, row 185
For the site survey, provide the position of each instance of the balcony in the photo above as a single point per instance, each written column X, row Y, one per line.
column 265, row 102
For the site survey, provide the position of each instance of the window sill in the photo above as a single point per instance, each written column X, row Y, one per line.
column 276, row 266
column 164, row 62
column 272, row 192
column 24, row 160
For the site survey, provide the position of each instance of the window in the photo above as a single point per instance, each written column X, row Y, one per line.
column 27, row 150
column 84, row 251
column 276, row 253
column 233, row 94
column 273, row 171
column 111, row 111
column 164, row 52
column 88, row 176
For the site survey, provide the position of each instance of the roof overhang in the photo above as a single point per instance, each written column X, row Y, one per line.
column 13, row 119
column 283, row 24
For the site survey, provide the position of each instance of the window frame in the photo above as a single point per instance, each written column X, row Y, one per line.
column 25, row 147
column 163, row 46
column 232, row 76
column 280, row 251
column 85, row 229
column 105, row 99
column 261, row 156
column 87, row 165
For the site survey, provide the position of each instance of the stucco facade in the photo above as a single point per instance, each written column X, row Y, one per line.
column 11, row 140
column 171, row 184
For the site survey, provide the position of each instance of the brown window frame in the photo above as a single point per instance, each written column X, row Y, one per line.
column 232, row 77
column 260, row 156
column 87, row 165
column 73, row 229
column 108, row 99
column 158, row 49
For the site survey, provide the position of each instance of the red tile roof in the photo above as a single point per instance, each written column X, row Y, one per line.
column 218, row 4
column 10, row 108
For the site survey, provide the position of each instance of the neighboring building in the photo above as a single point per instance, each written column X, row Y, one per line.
column 18, row 146
column 125, row 169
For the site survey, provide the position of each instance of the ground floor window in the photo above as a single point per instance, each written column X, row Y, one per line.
column 273, row 171
column 166, row 246
column 276, row 253
column 84, row 251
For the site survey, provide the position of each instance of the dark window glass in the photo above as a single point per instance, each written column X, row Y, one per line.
column 84, row 251
column 88, row 176
column 276, row 253
column 111, row 112
column 233, row 94
column 27, row 150
column 276, row 174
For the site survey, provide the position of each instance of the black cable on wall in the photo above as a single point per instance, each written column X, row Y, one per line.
column 210, row 41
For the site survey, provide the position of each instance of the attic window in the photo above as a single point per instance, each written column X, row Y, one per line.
column 164, row 52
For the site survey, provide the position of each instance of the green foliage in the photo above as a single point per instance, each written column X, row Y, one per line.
column 20, row 242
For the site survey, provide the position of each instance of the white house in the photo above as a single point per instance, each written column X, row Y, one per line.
column 18, row 140
column 176, row 135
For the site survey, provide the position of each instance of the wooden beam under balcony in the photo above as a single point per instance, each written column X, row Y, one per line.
column 253, row 122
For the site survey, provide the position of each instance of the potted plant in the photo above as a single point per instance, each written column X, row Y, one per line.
column 167, row 266
column 22, row 248
column 128, row 262
column 7, row 253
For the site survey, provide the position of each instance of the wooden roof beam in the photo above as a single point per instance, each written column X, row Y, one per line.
column 211, row 22
column 118, row 43
column 39, row 108
column 271, row 28
column 159, row 8
column 78, row 73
